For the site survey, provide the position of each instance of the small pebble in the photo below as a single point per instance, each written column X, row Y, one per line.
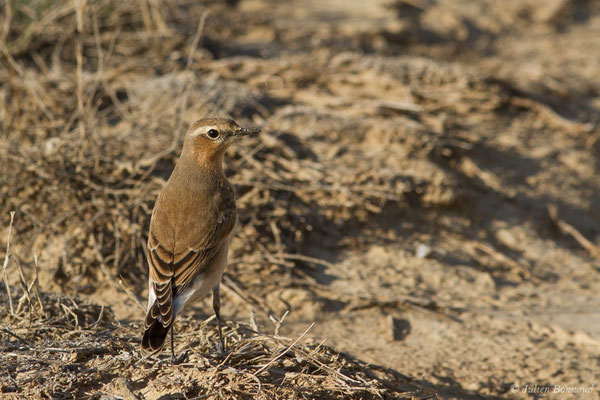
column 423, row 251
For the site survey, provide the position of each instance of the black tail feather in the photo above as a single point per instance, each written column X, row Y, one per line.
column 155, row 334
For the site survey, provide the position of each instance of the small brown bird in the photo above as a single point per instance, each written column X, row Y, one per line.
column 190, row 229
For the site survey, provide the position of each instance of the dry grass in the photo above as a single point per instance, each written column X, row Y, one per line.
column 78, row 148
column 87, row 145
column 69, row 349
column 359, row 146
column 81, row 167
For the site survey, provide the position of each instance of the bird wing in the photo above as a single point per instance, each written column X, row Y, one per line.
column 171, row 274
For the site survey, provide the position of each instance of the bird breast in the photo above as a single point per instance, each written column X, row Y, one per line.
column 185, row 214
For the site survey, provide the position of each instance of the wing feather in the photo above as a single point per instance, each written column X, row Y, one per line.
column 171, row 274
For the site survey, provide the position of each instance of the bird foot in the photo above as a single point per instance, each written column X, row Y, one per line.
column 220, row 347
column 181, row 358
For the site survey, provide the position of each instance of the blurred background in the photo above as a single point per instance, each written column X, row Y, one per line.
column 426, row 187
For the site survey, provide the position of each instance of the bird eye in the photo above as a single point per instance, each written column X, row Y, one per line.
column 213, row 133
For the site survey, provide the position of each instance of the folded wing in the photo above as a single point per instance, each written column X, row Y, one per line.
column 171, row 274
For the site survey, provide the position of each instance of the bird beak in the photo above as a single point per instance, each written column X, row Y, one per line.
column 246, row 131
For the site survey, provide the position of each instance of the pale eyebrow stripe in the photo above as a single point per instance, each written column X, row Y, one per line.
column 200, row 130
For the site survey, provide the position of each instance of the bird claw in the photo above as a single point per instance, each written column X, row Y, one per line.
column 181, row 358
column 220, row 348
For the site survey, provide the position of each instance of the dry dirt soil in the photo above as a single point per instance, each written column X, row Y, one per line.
column 425, row 191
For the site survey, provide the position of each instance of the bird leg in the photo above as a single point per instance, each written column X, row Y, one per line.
column 172, row 352
column 217, row 308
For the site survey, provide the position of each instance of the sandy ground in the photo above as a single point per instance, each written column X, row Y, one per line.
column 426, row 191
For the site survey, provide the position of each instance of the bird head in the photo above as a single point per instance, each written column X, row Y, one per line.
column 208, row 138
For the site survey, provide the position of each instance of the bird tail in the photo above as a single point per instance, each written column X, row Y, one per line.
column 155, row 331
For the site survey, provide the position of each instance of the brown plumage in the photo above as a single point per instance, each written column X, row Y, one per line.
column 190, row 229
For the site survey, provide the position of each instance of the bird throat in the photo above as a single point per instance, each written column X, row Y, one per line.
column 210, row 159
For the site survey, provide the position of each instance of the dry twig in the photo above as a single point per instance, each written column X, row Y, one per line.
column 568, row 229
column 5, row 265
